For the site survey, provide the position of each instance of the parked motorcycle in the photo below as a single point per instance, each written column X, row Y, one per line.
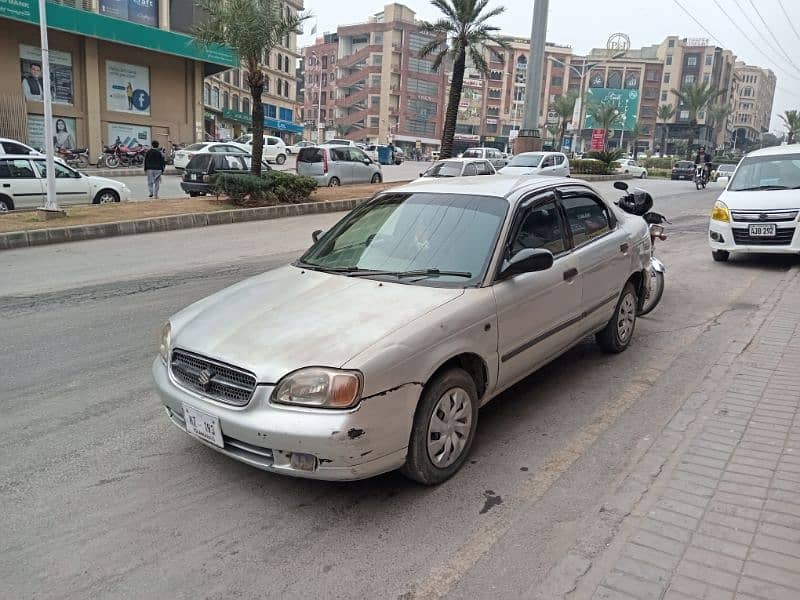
column 639, row 203
column 78, row 159
column 119, row 155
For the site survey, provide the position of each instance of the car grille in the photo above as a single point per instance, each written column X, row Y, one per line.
column 783, row 237
column 764, row 216
column 224, row 383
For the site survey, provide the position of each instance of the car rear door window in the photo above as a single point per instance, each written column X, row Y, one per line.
column 14, row 148
column 483, row 168
column 470, row 169
column 541, row 228
column 560, row 159
column 19, row 168
column 587, row 218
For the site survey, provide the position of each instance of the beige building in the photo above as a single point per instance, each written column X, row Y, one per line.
column 227, row 101
column 753, row 96
column 116, row 73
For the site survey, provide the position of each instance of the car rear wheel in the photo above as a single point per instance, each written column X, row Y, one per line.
column 334, row 182
column 106, row 197
column 444, row 428
column 720, row 255
column 280, row 159
column 5, row 204
column 643, row 175
column 618, row 332
column 376, row 178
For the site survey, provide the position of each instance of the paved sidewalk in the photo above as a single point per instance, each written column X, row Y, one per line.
column 721, row 519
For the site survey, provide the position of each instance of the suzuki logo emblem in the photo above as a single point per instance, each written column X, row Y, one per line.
column 204, row 379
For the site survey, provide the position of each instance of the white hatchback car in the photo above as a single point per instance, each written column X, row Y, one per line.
column 274, row 147
column 538, row 163
column 23, row 184
column 629, row 166
column 758, row 211
column 183, row 156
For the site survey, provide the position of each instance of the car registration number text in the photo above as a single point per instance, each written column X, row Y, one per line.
column 763, row 230
column 203, row 426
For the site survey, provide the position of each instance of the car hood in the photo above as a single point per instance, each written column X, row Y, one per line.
column 509, row 170
column 291, row 318
column 104, row 182
column 761, row 200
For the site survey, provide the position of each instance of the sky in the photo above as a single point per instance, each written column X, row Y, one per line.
column 732, row 24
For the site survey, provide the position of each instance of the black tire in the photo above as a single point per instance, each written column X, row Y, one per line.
column 720, row 255
column 106, row 197
column 334, row 182
column 651, row 303
column 280, row 159
column 697, row 183
column 111, row 161
column 6, row 204
column 376, row 178
column 194, row 194
column 419, row 465
column 611, row 339
column 643, row 175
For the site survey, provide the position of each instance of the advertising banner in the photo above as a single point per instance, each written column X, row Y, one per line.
column 127, row 88
column 469, row 108
column 128, row 135
column 64, row 136
column 144, row 12
column 60, row 74
column 598, row 140
column 626, row 101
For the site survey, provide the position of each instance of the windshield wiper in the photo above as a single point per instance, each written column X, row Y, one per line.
column 415, row 273
column 761, row 187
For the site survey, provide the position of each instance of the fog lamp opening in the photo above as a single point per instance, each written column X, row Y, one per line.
column 303, row 462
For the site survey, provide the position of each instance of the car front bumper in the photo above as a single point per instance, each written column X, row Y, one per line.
column 734, row 237
column 197, row 186
column 347, row 445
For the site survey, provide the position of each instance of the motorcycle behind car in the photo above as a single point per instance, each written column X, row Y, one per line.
column 639, row 203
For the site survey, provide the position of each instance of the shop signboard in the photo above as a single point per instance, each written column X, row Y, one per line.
column 598, row 140
column 128, row 135
column 626, row 101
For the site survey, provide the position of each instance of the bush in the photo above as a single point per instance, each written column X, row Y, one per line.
column 272, row 187
column 658, row 163
column 587, row 167
column 656, row 172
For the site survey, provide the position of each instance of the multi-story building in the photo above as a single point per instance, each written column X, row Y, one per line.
column 374, row 86
column 227, row 99
column 753, row 97
column 119, row 70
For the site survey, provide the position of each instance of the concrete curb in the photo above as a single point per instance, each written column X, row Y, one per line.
column 77, row 233
column 137, row 171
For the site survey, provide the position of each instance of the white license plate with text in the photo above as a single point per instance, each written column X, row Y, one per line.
column 203, row 425
column 763, row 230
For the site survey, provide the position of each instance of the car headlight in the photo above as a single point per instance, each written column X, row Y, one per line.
column 165, row 342
column 319, row 387
column 720, row 212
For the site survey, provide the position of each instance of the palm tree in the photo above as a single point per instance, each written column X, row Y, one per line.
column 634, row 136
column 791, row 118
column 564, row 106
column 664, row 114
column 718, row 114
column 252, row 28
column 605, row 116
column 694, row 98
column 462, row 31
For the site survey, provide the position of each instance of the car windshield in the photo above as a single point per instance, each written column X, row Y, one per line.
column 196, row 147
column 243, row 139
column 472, row 154
column 445, row 169
column 775, row 172
column 526, row 160
column 414, row 232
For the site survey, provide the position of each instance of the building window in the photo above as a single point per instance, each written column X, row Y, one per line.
column 420, row 65
column 246, row 105
column 324, row 98
column 701, row 114
column 235, row 103
column 286, row 88
column 669, row 59
column 236, row 80
column 324, row 61
column 323, row 113
column 663, row 96
column 206, row 94
column 286, row 114
column 324, row 79
column 651, row 75
column 614, row 80
column 493, row 111
column 650, row 93
column 494, row 93
column 671, row 43
column 684, row 114
column 423, row 88
column 557, row 81
column 226, row 100
column 709, row 60
column 215, row 97
column 706, row 78
column 691, row 61
column 666, row 77
column 688, row 78
column 491, row 127
column 377, row 59
column 748, row 91
column 376, row 81
column 270, row 110
column 266, row 84
column 226, row 76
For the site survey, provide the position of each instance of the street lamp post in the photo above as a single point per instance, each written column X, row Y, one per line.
column 320, row 127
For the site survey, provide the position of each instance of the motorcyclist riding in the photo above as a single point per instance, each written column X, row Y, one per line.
column 702, row 158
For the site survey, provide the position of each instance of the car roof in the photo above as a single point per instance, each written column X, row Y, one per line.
column 465, row 159
column 500, row 185
column 773, row 150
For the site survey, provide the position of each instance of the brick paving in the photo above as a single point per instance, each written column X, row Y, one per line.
column 724, row 522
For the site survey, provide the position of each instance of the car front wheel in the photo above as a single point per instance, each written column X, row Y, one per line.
column 106, row 197
column 617, row 334
column 334, row 182
column 444, row 428
column 280, row 159
column 5, row 205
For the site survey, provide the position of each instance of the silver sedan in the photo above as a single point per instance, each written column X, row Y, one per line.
column 375, row 350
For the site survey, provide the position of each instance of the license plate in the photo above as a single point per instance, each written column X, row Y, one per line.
column 763, row 230
column 193, row 177
column 203, row 425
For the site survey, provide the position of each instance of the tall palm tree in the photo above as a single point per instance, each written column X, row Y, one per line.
column 695, row 98
column 564, row 106
column 605, row 116
column 718, row 114
column 462, row 32
column 791, row 118
column 252, row 28
column 634, row 136
column 664, row 114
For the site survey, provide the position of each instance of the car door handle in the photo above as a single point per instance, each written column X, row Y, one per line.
column 570, row 274
column 6, row 185
column 624, row 248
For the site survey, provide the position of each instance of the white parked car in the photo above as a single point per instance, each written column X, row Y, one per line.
column 538, row 163
column 9, row 146
column 274, row 147
column 723, row 173
column 458, row 167
column 758, row 211
column 338, row 142
column 183, row 156
column 295, row 148
column 628, row 166
column 23, row 184
column 493, row 155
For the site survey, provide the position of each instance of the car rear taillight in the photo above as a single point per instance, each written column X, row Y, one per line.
column 324, row 161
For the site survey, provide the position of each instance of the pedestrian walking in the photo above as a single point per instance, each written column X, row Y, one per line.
column 154, row 165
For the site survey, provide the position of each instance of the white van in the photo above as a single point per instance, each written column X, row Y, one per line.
column 274, row 147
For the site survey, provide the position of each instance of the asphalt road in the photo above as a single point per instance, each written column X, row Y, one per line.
column 102, row 497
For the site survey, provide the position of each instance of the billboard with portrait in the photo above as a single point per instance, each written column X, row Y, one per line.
column 60, row 75
column 65, row 135
column 127, row 88
column 626, row 101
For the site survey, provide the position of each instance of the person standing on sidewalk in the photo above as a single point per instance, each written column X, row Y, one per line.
column 154, row 165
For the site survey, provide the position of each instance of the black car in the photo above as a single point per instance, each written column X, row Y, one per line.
column 683, row 169
column 197, row 174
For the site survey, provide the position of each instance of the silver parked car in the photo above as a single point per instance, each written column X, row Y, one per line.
column 538, row 163
column 459, row 167
column 375, row 350
column 493, row 155
column 338, row 165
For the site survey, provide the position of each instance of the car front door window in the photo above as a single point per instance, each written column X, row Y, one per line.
column 469, row 170
column 540, row 229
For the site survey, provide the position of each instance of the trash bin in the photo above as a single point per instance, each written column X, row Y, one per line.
column 384, row 155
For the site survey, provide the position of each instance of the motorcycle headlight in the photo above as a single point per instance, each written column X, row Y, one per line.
column 165, row 342
column 319, row 387
column 656, row 230
column 720, row 212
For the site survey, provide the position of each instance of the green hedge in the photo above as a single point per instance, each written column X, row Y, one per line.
column 587, row 167
column 658, row 162
column 656, row 172
column 273, row 187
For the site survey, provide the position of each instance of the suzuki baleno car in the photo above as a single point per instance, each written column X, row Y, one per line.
column 375, row 350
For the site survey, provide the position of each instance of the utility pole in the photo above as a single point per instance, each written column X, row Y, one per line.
column 530, row 137
column 51, row 204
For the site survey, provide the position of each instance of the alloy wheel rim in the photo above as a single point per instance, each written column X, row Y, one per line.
column 106, row 199
column 3, row 207
column 449, row 427
column 626, row 317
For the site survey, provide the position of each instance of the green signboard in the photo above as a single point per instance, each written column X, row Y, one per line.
column 626, row 101
column 75, row 20
column 235, row 115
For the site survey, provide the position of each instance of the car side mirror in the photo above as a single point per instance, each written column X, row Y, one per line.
column 367, row 161
column 621, row 185
column 528, row 260
column 316, row 235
